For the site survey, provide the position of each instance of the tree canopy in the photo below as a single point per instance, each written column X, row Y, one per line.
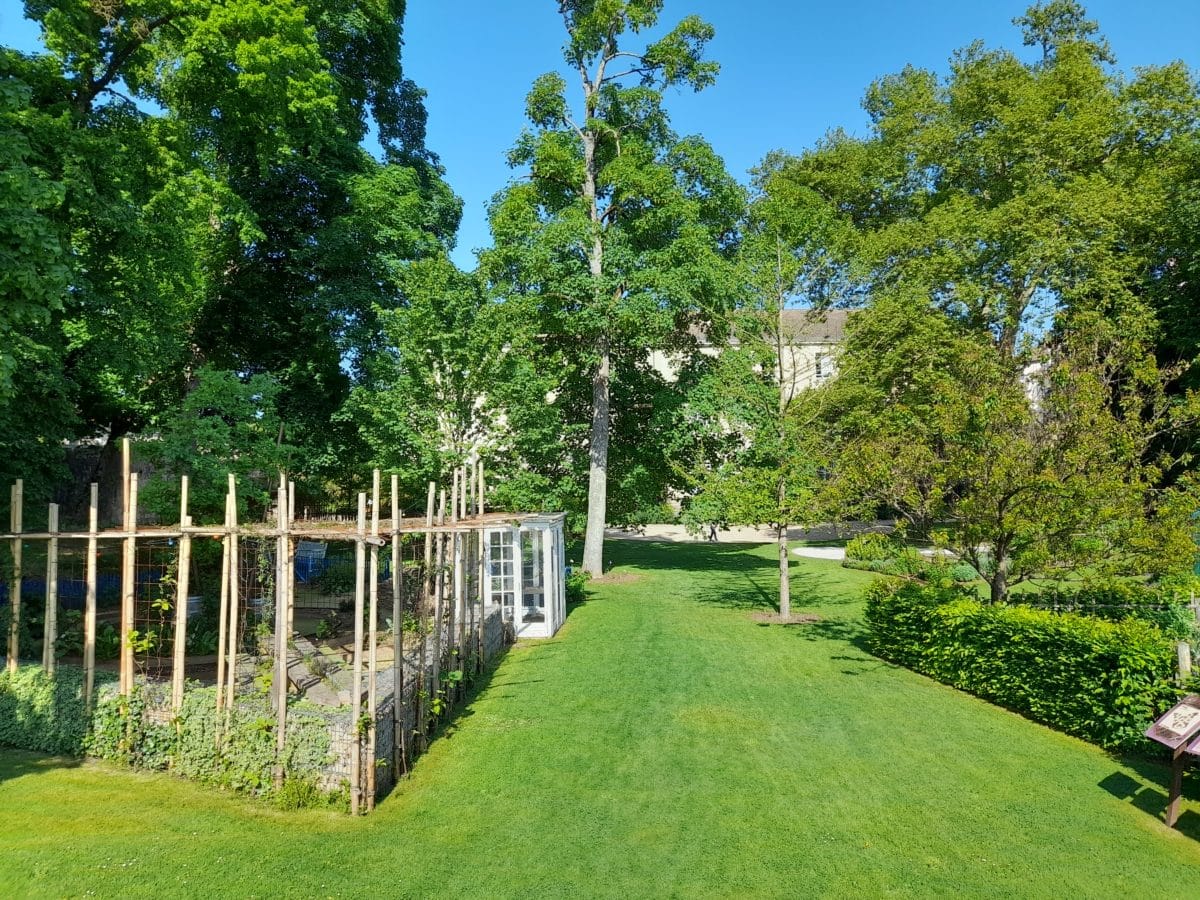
column 618, row 238
column 190, row 188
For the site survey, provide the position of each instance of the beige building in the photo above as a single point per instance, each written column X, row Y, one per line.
column 809, row 357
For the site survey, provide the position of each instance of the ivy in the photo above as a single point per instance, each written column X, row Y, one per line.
column 47, row 713
column 40, row 712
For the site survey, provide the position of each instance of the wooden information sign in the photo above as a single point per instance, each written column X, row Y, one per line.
column 1179, row 729
column 1178, row 724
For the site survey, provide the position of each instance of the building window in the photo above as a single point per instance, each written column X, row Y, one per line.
column 823, row 368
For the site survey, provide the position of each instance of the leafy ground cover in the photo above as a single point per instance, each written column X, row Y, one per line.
column 664, row 744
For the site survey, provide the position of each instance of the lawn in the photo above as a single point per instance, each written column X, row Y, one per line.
column 664, row 744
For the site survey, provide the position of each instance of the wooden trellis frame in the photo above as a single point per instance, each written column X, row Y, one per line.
column 453, row 529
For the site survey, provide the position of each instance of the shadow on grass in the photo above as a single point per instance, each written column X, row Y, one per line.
column 733, row 576
column 1150, row 796
column 16, row 763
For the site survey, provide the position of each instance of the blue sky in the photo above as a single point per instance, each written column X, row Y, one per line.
column 789, row 71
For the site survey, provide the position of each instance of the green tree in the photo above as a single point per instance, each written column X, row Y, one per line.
column 1057, row 473
column 432, row 401
column 1008, row 233
column 751, row 430
column 616, row 239
column 33, row 267
column 218, row 205
column 225, row 424
column 1011, row 190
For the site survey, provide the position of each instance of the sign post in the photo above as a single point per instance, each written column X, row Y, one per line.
column 1179, row 729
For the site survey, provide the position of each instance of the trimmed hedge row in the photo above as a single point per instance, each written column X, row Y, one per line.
column 1119, row 600
column 1098, row 680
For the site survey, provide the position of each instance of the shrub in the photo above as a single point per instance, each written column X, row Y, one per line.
column 338, row 576
column 910, row 562
column 1099, row 680
column 871, row 547
column 576, row 586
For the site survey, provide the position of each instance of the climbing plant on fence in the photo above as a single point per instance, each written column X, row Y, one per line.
column 1098, row 680
column 43, row 712
column 46, row 713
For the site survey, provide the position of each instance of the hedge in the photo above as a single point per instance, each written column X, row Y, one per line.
column 1121, row 599
column 1098, row 680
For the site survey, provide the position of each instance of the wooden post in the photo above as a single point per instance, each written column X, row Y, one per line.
column 1175, row 797
column 291, row 563
column 17, row 497
column 1183, row 653
column 454, row 497
column 89, row 602
column 439, row 587
column 182, row 578
column 231, row 643
column 223, row 606
column 50, row 637
column 422, row 684
column 399, row 757
column 460, row 606
column 129, row 583
column 450, row 596
column 470, row 491
column 372, row 642
column 281, row 632
column 356, row 679
column 481, row 574
column 482, row 495
column 127, row 568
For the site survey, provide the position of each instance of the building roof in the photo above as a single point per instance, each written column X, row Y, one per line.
column 812, row 326
column 800, row 326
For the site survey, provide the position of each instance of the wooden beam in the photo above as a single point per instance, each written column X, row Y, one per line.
column 1175, row 796
column 16, row 497
column 182, row 579
column 482, row 494
column 281, row 633
column 127, row 567
column 129, row 583
column 291, row 570
column 50, row 630
column 372, row 642
column 360, row 549
column 223, row 604
column 399, row 757
column 423, row 616
column 89, row 602
column 231, row 643
column 439, row 591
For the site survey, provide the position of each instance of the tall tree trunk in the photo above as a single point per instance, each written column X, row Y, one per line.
column 785, row 585
column 786, row 381
column 786, row 390
column 593, row 544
